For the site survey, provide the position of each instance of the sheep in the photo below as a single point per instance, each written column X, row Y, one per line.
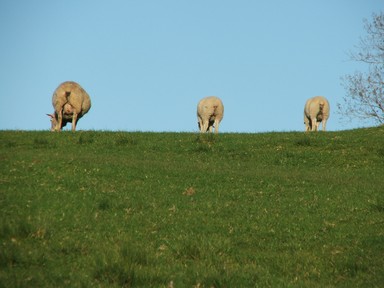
column 210, row 112
column 316, row 111
column 70, row 102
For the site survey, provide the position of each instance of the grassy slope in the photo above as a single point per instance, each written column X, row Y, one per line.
column 115, row 209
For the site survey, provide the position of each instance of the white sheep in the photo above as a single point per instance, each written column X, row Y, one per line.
column 71, row 102
column 316, row 111
column 210, row 112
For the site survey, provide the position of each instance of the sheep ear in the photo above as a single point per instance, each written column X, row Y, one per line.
column 51, row 115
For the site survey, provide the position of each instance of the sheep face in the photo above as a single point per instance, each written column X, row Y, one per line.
column 54, row 122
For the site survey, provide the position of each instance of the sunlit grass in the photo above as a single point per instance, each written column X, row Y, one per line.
column 117, row 209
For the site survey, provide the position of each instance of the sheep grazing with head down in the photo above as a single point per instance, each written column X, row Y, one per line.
column 70, row 102
column 210, row 112
column 316, row 111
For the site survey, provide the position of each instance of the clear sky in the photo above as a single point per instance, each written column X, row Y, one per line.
column 147, row 63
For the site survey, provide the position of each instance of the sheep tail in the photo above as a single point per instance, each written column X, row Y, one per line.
column 67, row 94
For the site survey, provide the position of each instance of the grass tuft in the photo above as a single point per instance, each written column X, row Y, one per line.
column 206, row 142
column 10, row 144
column 16, row 229
column 42, row 143
column 305, row 142
column 379, row 204
column 123, row 140
column 104, row 204
column 380, row 152
column 118, row 274
column 86, row 138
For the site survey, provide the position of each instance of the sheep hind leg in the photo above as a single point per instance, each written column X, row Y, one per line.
column 203, row 126
column 59, row 120
column 307, row 124
column 216, row 126
column 315, row 124
column 74, row 121
column 324, row 125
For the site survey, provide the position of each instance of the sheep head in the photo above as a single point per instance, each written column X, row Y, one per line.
column 53, row 122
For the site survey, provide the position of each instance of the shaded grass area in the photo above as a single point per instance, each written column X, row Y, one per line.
column 119, row 209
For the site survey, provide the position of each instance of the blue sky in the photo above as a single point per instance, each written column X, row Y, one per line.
column 146, row 64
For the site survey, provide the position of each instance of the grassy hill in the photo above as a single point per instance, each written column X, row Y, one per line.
column 118, row 209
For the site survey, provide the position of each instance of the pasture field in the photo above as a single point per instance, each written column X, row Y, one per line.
column 137, row 209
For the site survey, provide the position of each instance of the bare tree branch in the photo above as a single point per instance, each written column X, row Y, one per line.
column 365, row 91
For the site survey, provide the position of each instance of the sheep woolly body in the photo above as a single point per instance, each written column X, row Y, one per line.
column 71, row 102
column 210, row 112
column 316, row 111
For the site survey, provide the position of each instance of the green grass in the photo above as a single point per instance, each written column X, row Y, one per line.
column 118, row 209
